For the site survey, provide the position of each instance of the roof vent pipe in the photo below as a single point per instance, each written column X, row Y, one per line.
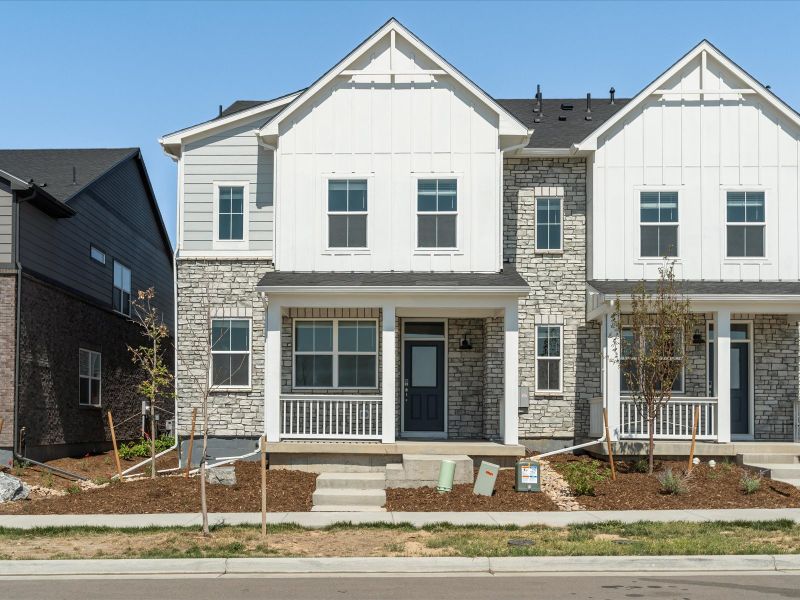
column 588, row 116
column 220, row 110
column 74, row 176
column 539, row 106
column 611, row 93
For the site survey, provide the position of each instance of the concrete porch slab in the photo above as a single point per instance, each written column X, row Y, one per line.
column 471, row 448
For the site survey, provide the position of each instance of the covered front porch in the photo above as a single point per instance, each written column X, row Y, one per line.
column 358, row 363
column 741, row 379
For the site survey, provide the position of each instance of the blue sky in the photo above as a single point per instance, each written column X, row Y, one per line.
column 93, row 74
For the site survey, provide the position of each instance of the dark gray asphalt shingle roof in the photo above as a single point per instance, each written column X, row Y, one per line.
column 790, row 288
column 507, row 278
column 54, row 167
column 552, row 133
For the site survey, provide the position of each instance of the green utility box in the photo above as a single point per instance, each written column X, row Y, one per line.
column 487, row 477
column 529, row 477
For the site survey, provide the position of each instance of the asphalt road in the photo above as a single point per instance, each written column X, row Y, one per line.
column 486, row 587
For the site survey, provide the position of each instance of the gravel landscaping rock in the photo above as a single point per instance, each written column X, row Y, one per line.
column 12, row 489
column 557, row 489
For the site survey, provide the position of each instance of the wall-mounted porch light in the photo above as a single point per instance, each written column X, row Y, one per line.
column 697, row 337
column 465, row 345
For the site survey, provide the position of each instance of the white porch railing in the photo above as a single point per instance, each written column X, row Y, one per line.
column 797, row 421
column 674, row 421
column 331, row 417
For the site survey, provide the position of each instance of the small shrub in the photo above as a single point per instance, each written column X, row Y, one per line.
column 73, row 489
column 47, row 479
column 583, row 475
column 750, row 483
column 641, row 465
column 141, row 449
column 672, row 482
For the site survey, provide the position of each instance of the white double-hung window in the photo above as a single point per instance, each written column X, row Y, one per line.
column 746, row 218
column 437, row 213
column 658, row 223
column 548, row 358
column 231, row 214
column 89, row 377
column 230, row 353
column 335, row 353
column 121, row 299
column 548, row 224
column 347, row 213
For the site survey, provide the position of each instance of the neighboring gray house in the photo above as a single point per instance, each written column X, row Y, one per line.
column 80, row 232
column 392, row 255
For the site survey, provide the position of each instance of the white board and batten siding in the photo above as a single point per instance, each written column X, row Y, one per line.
column 701, row 148
column 389, row 132
column 232, row 155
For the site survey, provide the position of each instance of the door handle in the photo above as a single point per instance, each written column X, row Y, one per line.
column 405, row 390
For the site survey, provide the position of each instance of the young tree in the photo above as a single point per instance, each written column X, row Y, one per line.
column 157, row 381
column 654, row 343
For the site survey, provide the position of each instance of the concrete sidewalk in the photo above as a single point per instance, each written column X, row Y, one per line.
column 443, row 566
column 417, row 519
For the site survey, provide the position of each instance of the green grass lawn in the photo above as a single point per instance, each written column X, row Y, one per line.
column 606, row 539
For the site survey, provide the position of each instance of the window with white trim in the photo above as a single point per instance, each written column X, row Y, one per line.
column 121, row 298
column 627, row 341
column 97, row 254
column 437, row 213
column 230, row 353
column 347, row 213
column 746, row 222
column 658, row 218
column 89, row 377
column 230, row 213
column 335, row 353
column 548, row 224
column 548, row 358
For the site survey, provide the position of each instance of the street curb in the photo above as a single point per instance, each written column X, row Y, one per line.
column 397, row 566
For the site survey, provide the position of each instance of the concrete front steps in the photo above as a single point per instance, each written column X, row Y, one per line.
column 778, row 466
column 350, row 492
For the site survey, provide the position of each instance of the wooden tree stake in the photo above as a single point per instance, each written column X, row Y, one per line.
column 610, row 449
column 263, row 487
column 191, row 444
column 1, row 424
column 694, row 438
column 114, row 444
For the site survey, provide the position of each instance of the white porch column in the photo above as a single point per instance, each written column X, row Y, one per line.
column 388, row 349
column 611, row 390
column 509, row 416
column 723, row 374
column 272, row 371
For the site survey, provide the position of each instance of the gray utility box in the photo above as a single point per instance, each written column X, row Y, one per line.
column 487, row 477
column 529, row 476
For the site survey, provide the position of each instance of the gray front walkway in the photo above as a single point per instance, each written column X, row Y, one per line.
column 417, row 519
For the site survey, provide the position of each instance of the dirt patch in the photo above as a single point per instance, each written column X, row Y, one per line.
column 461, row 499
column 719, row 487
column 286, row 491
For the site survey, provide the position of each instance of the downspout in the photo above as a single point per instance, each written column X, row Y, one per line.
column 501, row 198
column 15, row 450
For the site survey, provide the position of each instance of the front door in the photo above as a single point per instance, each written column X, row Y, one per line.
column 423, row 386
column 740, row 388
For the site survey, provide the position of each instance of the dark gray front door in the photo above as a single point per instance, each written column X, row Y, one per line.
column 423, row 403
column 740, row 388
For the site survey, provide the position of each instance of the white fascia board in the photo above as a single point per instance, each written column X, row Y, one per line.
column 508, row 125
column 177, row 137
column 517, row 291
column 16, row 182
column 747, row 303
column 545, row 152
column 590, row 142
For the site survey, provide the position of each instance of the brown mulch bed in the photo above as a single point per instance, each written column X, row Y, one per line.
column 461, row 499
column 707, row 488
column 286, row 491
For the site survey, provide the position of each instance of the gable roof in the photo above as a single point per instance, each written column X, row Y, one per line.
column 393, row 26
column 704, row 47
column 50, row 172
column 550, row 131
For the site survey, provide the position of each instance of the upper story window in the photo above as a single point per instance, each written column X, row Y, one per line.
column 437, row 212
column 121, row 299
column 89, row 377
column 746, row 218
column 336, row 353
column 347, row 213
column 231, row 213
column 658, row 219
column 230, row 353
column 548, row 224
column 548, row 358
column 97, row 254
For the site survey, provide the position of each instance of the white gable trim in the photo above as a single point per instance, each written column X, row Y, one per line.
column 509, row 125
column 216, row 124
column 702, row 49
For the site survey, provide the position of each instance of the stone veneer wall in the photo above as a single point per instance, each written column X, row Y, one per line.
column 287, row 345
column 557, row 294
column 227, row 289
column 8, row 326
column 775, row 355
column 465, row 379
column 494, row 367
